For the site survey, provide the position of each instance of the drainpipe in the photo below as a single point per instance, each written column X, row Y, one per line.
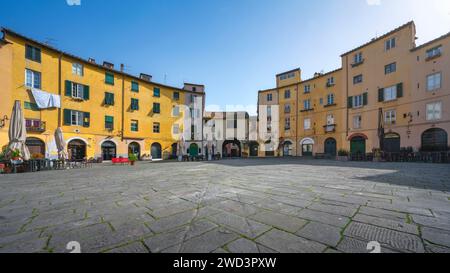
column 296, row 120
column 122, row 68
column 346, row 96
column 60, row 89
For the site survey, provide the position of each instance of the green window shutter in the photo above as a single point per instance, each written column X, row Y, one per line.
column 68, row 88
column 86, row 92
column 110, row 97
column 86, row 119
column 109, row 78
column 350, row 102
column 28, row 52
column 135, row 86
column 67, row 117
column 399, row 90
column 156, row 92
column 381, row 95
column 365, row 99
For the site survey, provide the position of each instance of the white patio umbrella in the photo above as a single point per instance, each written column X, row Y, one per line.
column 18, row 132
column 60, row 144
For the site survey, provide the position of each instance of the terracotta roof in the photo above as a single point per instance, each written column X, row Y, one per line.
column 431, row 42
column 293, row 70
column 297, row 83
column 380, row 38
column 13, row 33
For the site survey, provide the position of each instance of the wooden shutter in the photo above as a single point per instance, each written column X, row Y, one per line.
column 86, row 92
column 381, row 95
column 350, row 102
column 67, row 117
column 399, row 90
column 365, row 99
column 86, row 119
column 68, row 88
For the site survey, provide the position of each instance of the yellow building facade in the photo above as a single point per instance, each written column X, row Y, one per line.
column 104, row 112
column 389, row 94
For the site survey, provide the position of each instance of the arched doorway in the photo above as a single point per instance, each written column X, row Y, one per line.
column 391, row 143
column 254, row 147
column 174, row 150
column 358, row 144
column 156, row 151
column 35, row 146
column 330, row 147
column 134, row 148
column 434, row 140
column 231, row 148
column 193, row 149
column 307, row 145
column 287, row 148
column 76, row 149
column 108, row 150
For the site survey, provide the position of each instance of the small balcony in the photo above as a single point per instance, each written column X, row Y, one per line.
column 35, row 125
column 330, row 128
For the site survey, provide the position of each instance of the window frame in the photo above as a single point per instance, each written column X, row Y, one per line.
column 357, row 122
column 156, row 127
column 35, row 53
column 390, row 93
column 358, row 98
column 330, row 101
column 390, row 117
column 390, row 68
column 134, row 125
column 390, row 43
column 78, row 69
column 33, row 78
column 77, row 91
column 358, row 79
column 434, row 104
column 435, row 87
column 156, row 108
column 305, row 122
column 79, row 118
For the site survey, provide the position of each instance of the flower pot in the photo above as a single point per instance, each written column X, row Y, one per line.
column 132, row 163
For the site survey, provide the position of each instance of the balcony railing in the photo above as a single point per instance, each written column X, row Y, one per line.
column 34, row 125
column 330, row 128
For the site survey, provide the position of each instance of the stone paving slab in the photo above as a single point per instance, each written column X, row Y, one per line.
column 239, row 206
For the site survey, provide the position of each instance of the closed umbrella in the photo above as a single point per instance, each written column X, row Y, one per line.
column 18, row 132
column 181, row 147
column 60, row 144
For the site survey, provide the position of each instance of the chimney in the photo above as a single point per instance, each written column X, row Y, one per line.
column 108, row 65
column 91, row 60
column 145, row 77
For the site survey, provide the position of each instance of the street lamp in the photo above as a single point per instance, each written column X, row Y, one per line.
column 3, row 121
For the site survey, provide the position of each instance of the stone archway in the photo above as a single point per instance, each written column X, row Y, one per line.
column 434, row 140
column 109, row 150
column 77, row 149
column 35, row 146
column 231, row 148
column 156, row 151
column 330, row 146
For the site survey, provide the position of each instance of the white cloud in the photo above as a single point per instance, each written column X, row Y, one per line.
column 373, row 2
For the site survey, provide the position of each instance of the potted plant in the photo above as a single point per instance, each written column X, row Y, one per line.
column 37, row 156
column 132, row 158
column 15, row 155
column 343, row 155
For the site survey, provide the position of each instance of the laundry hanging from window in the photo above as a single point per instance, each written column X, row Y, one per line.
column 46, row 100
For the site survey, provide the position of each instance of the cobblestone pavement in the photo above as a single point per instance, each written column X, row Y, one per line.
column 240, row 206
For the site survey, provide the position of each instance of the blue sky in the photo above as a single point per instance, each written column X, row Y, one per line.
column 233, row 47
